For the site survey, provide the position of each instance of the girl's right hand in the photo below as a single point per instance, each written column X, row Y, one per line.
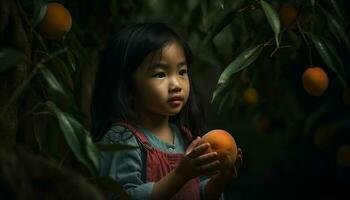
column 197, row 162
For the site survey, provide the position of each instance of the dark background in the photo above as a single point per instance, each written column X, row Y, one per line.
column 295, row 145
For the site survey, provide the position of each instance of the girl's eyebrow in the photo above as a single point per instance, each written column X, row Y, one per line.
column 164, row 65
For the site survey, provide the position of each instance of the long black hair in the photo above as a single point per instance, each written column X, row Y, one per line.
column 124, row 53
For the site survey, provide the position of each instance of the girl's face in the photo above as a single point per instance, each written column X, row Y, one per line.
column 161, row 83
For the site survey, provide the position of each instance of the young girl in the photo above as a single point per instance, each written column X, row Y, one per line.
column 143, row 98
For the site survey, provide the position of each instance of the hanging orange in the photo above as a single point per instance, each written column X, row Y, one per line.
column 56, row 22
column 315, row 81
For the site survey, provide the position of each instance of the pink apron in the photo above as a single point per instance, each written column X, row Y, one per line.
column 159, row 164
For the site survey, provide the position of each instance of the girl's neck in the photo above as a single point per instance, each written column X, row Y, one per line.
column 158, row 125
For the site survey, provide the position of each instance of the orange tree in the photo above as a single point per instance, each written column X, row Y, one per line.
column 266, row 45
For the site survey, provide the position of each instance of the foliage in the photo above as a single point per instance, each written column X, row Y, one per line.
column 243, row 42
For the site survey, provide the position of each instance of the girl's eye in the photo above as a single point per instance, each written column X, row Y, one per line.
column 159, row 75
column 183, row 72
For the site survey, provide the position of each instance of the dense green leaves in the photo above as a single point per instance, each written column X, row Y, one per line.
column 77, row 139
column 241, row 62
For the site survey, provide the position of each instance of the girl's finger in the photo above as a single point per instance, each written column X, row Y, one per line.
column 193, row 144
column 206, row 158
column 199, row 150
column 209, row 168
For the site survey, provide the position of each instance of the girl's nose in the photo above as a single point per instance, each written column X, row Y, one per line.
column 175, row 85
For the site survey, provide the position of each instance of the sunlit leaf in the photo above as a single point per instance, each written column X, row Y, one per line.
column 242, row 61
column 329, row 55
column 71, row 137
column 110, row 185
column 10, row 58
column 272, row 18
column 115, row 147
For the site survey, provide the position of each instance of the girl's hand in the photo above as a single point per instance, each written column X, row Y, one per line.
column 197, row 162
column 231, row 172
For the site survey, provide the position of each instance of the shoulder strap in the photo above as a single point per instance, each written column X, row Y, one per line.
column 141, row 138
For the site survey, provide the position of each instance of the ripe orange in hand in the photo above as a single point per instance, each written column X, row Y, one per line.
column 56, row 22
column 224, row 144
column 315, row 81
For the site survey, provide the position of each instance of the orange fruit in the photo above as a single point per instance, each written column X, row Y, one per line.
column 56, row 22
column 343, row 156
column 288, row 14
column 250, row 96
column 224, row 144
column 315, row 81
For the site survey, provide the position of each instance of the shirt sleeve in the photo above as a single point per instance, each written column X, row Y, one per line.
column 125, row 166
column 202, row 184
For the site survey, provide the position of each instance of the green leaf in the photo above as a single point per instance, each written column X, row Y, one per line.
column 71, row 60
column 10, row 58
column 336, row 9
column 329, row 56
column 272, row 18
column 40, row 8
column 221, row 4
column 89, row 148
column 115, row 147
column 223, row 21
column 61, row 68
column 71, row 136
column 313, row 2
column 51, row 80
column 220, row 90
column 110, row 185
column 337, row 30
column 242, row 61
